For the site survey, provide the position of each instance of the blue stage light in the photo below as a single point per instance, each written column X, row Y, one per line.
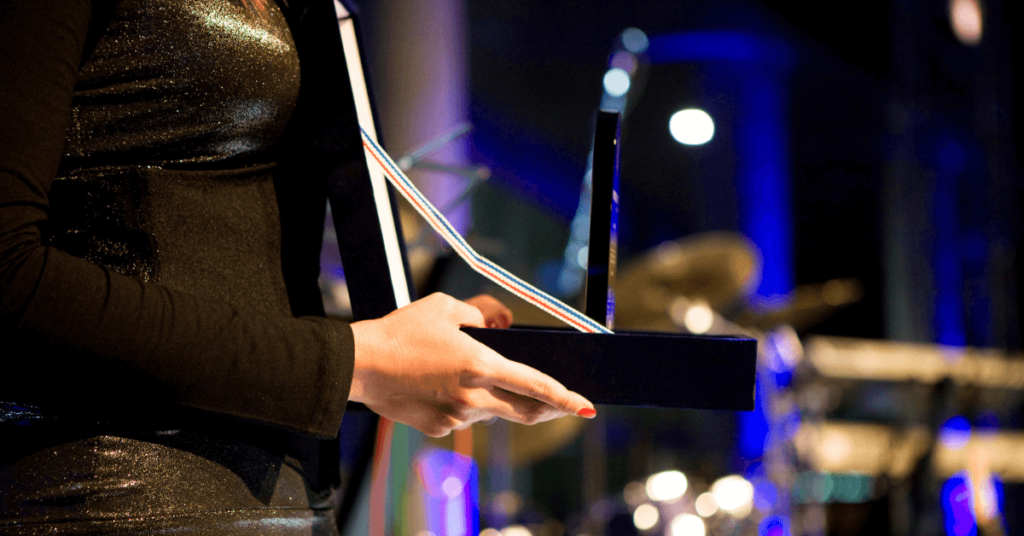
column 956, row 504
column 955, row 433
column 774, row 526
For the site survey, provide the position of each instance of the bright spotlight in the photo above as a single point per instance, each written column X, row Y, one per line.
column 734, row 495
column 690, row 126
column 705, row 504
column 965, row 17
column 646, row 516
column 616, row 82
column 687, row 525
column 666, row 486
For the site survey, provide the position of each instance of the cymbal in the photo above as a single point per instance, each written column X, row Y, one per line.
column 806, row 305
column 719, row 268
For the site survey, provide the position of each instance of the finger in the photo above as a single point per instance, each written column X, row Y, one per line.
column 460, row 312
column 527, row 381
column 523, row 409
column 496, row 315
column 494, row 402
column 467, row 315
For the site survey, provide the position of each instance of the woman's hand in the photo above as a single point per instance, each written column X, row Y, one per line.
column 414, row 366
column 496, row 315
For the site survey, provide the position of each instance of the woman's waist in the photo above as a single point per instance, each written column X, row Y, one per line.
column 60, row 465
column 213, row 232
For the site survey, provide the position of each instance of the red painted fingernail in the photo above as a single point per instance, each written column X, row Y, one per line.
column 587, row 413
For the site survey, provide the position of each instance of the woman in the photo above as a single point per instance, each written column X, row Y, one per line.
column 166, row 361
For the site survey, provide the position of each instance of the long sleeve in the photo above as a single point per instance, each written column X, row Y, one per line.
column 77, row 333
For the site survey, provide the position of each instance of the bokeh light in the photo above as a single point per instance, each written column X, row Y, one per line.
column 734, row 494
column 616, row 82
column 706, row 505
column 774, row 526
column 624, row 60
column 645, row 517
column 955, row 433
column 516, row 530
column 634, row 494
column 666, row 486
column 452, row 487
column 582, row 257
column 508, row 503
column 699, row 318
column 966, row 20
column 635, row 40
column 687, row 525
column 691, row 126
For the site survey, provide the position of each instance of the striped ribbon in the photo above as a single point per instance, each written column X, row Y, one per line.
column 477, row 262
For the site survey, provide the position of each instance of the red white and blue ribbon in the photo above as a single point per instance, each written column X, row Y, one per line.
column 477, row 262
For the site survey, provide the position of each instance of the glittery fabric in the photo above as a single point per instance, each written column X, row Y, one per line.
column 181, row 83
column 197, row 85
column 213, row 233
column 167, row 176
column 99, row 478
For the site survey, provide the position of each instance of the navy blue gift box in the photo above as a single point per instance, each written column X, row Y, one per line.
column 637, row 368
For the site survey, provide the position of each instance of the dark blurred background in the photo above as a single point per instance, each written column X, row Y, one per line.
column 870, row 146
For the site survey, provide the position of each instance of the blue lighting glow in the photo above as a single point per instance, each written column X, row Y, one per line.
column 957, row 507
column 525, row 167
column 951, row 158
column 959, row 503
column 718, row 46
column 955, row 433
column 451, row 502
column 764, row 188
column 455, row 518
column 950, row 324
column 753, row 426
column 766, row 495
column 774, row 526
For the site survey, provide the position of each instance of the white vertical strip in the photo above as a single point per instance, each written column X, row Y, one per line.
column 340, row 10
column 380, row 193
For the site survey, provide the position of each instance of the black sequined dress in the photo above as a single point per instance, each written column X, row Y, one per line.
column 165, row 365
